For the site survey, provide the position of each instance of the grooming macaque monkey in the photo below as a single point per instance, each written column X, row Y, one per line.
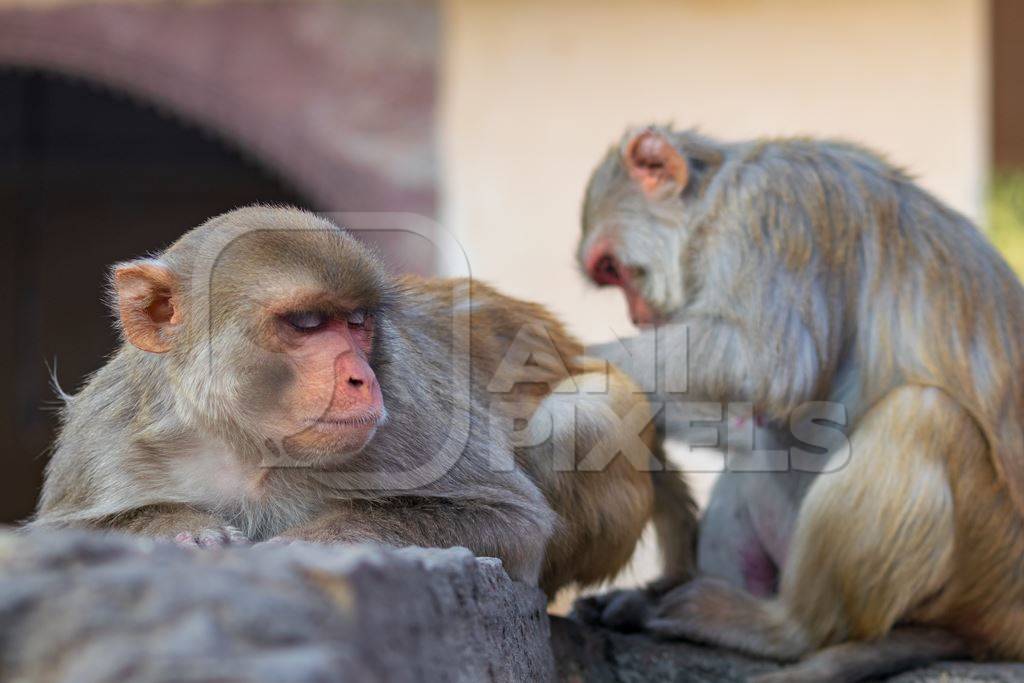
column 277, row 383
column 792, row 271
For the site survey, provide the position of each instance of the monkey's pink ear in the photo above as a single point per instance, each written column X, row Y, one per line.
column 147, row 303
column 655, row 164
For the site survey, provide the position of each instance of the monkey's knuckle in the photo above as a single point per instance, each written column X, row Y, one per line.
column 626, row 611
column 185, row 539
column 234, row 536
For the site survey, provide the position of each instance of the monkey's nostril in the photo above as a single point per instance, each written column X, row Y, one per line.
column 355, row 382
column 606, row 271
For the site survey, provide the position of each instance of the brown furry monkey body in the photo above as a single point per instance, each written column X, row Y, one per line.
column 792, row 271
column 277, row 383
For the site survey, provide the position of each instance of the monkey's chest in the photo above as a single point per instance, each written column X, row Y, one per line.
column 211, row 476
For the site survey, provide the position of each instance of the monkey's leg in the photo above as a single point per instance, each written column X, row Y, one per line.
column 186, row 525
column 743, row 536
column 510, row 533
column 746, row 529
column 873, row 541
column 728, row 546
column 905, row 647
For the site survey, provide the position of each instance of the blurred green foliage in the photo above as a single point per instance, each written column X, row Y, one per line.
column 1006, row 217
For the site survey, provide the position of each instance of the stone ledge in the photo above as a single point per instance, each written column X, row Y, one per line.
column 79, row 607
column 89, row 608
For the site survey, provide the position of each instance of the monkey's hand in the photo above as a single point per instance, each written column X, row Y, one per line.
column 623, row 610
column 213, row 537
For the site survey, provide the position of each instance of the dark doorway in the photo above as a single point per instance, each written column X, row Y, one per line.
column 88, row 177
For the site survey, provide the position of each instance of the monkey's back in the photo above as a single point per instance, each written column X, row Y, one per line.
column 907, row 288
column 922, row 298
column 495, row 322
column 523, row 356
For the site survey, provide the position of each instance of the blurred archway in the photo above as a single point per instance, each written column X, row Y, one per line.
column 88, row 177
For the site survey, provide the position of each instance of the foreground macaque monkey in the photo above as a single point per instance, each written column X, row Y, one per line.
column 791, row 271
column 277, row 383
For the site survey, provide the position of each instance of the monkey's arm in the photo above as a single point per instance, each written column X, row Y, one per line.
column 185, row 524
column 756, row 329
column 776, row 364
column 487, row 529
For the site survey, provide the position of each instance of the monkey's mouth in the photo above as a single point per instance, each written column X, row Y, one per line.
column 357, row 420
column 606, row 270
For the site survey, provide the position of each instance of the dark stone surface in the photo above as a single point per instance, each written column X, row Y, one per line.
column 91, row 608
column 950, row 672
column 594, row 655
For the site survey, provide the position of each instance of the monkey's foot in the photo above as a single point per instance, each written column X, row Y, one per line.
column 214, row 537
column 712, row 611
column 622, row 610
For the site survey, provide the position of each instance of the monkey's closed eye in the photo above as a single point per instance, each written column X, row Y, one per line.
column 305, row 321
column 358, row 318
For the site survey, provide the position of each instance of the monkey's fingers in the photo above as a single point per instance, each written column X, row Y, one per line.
column 215, row 537
column 628, row 610
column 588, row 609
column 622, row 610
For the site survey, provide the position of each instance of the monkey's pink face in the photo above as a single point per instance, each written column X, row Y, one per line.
column 605, row 269
column 332, row 403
